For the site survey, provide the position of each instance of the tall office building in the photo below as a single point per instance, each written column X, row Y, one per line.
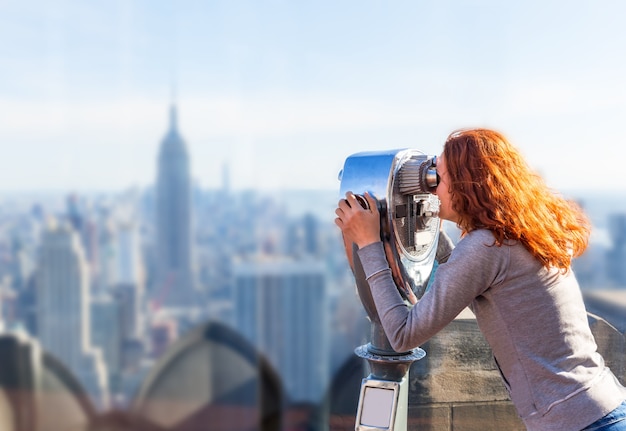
column 129, row 287
column 174, row 278
column 107, row 334
column 616, row 255
column 280, row 307
column 63, row 312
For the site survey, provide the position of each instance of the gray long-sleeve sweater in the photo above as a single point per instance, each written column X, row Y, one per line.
column 534, row 320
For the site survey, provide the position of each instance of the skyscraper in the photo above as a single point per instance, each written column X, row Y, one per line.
column 174, row 279
column 280, row 307
column 63, row 312
column 129, row 289
column 616, row 255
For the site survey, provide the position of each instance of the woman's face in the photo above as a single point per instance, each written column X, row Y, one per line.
column 443, row 192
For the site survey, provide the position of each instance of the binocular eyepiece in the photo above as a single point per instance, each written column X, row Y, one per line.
column 418, row 176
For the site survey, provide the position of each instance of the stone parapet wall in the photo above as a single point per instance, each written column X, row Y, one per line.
column 470, row 416
column 458, row 367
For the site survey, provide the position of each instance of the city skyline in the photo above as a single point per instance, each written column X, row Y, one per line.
column 283, row 93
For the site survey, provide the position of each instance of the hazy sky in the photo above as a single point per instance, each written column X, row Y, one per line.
column 284, row 91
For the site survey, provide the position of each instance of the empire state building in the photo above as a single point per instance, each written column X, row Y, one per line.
column 174, row 280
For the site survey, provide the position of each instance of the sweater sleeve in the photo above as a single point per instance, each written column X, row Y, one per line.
column 473, row 266
column 444, row 247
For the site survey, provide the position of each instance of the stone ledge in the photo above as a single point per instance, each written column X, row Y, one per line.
column 488, row 416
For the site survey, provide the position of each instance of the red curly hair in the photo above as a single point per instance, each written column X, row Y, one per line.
column 492, row 187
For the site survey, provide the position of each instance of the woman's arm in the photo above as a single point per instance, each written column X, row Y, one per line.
column 471, row 268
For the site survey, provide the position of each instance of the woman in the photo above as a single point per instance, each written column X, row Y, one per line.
column 512, row 268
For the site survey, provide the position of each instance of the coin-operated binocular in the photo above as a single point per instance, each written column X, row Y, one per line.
column 402, row 181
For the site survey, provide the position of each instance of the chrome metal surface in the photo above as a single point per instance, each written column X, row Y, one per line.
column 401, row 181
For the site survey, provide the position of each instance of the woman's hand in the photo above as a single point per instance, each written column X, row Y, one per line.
column 359, row 225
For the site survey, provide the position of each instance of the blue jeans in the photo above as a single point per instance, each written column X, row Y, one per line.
column 614, row 421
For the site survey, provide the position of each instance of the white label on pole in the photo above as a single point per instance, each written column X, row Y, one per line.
column 377, row 407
